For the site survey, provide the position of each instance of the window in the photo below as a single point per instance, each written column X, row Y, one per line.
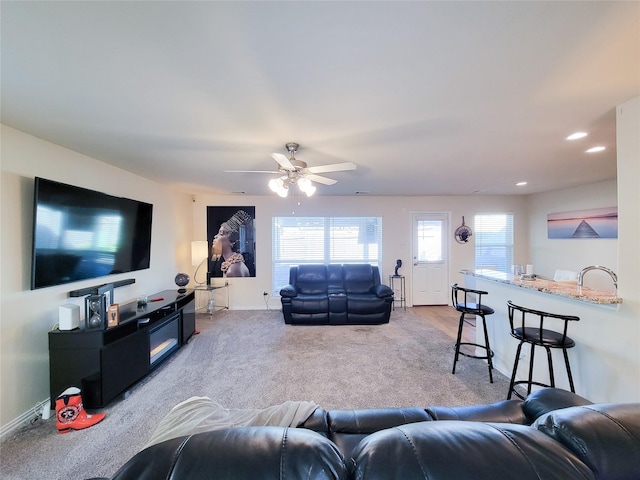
column 494, row 241
column 300, row 240
column 429, row 233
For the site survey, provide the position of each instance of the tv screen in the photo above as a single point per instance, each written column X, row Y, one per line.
column 80, row 234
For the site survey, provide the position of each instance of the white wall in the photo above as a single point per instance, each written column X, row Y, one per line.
column 548, row 255
column 396, row 213
column 26, row 315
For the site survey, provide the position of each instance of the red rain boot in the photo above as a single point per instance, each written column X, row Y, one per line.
column 70, row 415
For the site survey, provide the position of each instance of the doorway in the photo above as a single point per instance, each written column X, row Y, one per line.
column 430, row 258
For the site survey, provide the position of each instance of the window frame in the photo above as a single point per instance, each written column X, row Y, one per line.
column 328, row 245
column 506, row 260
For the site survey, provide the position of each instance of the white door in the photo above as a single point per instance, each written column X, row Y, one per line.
column 430, row 268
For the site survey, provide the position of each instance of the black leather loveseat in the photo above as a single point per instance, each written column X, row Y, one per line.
column 336, row 295
column 552, row 434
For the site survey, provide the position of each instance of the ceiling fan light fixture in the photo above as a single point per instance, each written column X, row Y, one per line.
column 284, row 191
column 305, row 186
column 278, row 186
column 310, row 190
column 273, row 185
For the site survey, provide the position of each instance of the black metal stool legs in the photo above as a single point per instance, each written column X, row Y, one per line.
column 515, row 370
column 530, row 382
column 457, row 346
column 489, row 351
column 566, row 362
column 486, row 346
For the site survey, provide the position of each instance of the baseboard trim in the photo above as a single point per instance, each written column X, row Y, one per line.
column 22, row 420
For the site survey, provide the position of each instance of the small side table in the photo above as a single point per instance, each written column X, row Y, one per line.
column 211, row 305
column 392, row 283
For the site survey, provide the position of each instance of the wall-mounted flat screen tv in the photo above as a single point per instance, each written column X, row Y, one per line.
column 79, row 234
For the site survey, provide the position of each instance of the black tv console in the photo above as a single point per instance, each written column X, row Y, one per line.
column 105, row 363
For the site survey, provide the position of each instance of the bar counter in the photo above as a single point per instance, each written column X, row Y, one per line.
column 562, row 289
column 602, row 366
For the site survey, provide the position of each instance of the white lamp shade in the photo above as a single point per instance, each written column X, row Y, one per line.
column 199, row 251
column 274, row 185
column 304, row 184
column 310, row 190
column 278, row 186
column 283, row 192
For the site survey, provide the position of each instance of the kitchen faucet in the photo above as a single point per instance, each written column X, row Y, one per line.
column 614, row 277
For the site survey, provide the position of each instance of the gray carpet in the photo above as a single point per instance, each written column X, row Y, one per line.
column 250, row 359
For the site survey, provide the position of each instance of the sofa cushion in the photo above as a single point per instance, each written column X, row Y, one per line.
column 364, row 303
column 311, row 279
column 307, row 303
column 506, row 411
column 606, row 437
column 244, row 453
column 457, row 449
column 358, row 278
column 335, row 280
column 348, row 427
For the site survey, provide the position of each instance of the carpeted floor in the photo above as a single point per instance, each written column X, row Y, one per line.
column 251, row 359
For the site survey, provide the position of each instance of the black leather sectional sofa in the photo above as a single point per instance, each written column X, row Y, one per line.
column 336, row 295
column 552, row 434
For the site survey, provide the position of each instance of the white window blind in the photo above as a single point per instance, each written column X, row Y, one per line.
column 430, row 241
column 304, row 240
column 494, row 241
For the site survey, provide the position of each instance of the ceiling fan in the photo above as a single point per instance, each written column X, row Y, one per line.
column 294, row 171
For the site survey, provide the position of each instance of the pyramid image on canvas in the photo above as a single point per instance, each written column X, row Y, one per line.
column 585, row 230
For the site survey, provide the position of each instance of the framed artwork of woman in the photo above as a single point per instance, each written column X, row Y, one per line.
column 231, row 236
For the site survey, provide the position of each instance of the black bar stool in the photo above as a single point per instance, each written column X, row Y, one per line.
column 536, row 334
column 471, row 308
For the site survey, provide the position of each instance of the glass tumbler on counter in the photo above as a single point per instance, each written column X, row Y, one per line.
column 142, row 301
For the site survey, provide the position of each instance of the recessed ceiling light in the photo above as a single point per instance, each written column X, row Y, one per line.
column 595, row 149
column 520, row 184
column 575, row 136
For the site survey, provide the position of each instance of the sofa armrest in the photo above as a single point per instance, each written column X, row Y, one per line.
column 606, row 437
column 382, row 291
column 288, row 291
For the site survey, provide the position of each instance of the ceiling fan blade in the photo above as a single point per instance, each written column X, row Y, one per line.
column 283, row 161
column 251, row 171
column 336, row 167
column 319, row 179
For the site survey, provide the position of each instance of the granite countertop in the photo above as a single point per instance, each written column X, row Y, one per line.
column 563, row 289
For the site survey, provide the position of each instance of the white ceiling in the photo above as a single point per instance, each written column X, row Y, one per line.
column 427, row 98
